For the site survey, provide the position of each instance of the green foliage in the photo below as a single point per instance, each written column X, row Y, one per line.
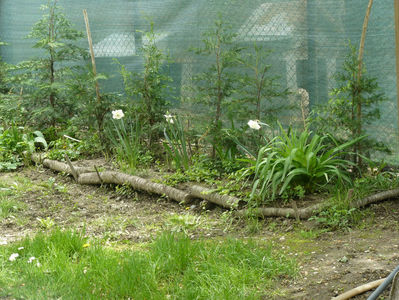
column 339, row 214
column 353, row 107
column 65, row 264
column 146, row 90
column 218, row 82
column 175, row 144
column 3, row 73
column 44, row 78
column 89, row 111
column 125, row 139
column 201, row 170
column 17, row 143
column 259, row 89
column 298, row 159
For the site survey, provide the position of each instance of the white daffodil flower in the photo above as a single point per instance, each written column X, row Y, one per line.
column 13, row 256
column 254, row 124
column 117, row 114
column 20, row 248
column 169, row 118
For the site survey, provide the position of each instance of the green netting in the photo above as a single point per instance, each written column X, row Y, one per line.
column 308, row 38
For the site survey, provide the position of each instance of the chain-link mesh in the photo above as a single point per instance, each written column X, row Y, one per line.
column 308, row 39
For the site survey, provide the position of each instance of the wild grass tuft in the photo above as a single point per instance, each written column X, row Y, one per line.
column 171, row 267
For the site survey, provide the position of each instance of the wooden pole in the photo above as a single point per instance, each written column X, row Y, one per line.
column 93, row 60
column 363, row 38
column 359, row 75
column 396, row 8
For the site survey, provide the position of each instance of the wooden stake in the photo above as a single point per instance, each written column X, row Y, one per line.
column 363, row 38
column 396, row 8
column 93, row 60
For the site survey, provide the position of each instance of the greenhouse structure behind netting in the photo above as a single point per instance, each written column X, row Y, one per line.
column 308, row 40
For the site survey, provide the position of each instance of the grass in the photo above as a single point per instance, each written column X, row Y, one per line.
column 170, row 267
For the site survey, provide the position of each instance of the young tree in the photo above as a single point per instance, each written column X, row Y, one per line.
column 147, row 89
column 44, row 77
column 342, row 116
column 217, row 83
column 259, row 88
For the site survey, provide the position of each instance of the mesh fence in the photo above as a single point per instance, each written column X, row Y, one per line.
column 308, row 39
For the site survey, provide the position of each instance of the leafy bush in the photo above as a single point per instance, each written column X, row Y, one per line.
column 14, row 142
column 298, row 159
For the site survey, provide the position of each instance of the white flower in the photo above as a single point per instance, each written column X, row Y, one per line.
column 254, row 124
column 38, row 264
column 117, row 114
column 20, row 248
column 31, row 259
column 169, row 118
column 13, row 256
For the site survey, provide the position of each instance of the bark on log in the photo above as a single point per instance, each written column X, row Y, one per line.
column 302, row 213
column 59, row 166
column 376, row 198
column 225, row 201
column 136, row 183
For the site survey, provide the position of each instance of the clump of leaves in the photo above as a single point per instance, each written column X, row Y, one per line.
column 293, row 159
column 17, row 143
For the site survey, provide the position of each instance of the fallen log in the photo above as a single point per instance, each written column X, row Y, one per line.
column 91, row 175
column 59, row 166
column 225, row 201
column 135, row 182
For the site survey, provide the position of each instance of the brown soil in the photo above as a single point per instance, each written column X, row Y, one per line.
column 330, row 263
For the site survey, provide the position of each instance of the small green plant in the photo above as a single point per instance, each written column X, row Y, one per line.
column 147, row 89
column 47, row 223
column 9, row 206
column 176, row 143
column 17, row 143
column 298, row 159
column 125, row 139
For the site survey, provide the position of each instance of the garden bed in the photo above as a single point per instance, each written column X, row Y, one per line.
column 328, row 262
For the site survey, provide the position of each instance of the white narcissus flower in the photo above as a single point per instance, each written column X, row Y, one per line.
column 20, row 248
column 117, row 114
column 13, row 256
column 169, row 118
column 254, row 124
